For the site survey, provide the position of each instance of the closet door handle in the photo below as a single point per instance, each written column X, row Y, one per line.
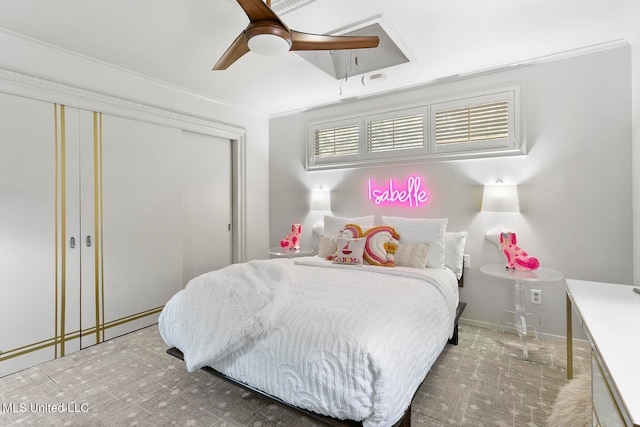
column 72, row 242
column 88, row 241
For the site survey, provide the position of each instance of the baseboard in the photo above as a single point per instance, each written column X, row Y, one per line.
column 512, row 330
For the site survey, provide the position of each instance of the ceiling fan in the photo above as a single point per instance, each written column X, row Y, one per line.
column 268, row 35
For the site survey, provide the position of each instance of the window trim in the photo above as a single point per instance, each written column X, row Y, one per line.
column 316, row 161
column 470, row 146
column 514, row 145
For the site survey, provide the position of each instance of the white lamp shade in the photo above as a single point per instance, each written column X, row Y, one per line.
column 268, row 44
column 320, row 200
column 500, row 198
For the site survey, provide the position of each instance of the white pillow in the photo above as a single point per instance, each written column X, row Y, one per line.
column 349, row 251
column 412, row 255
column 454, row 251
column 422, row 230
column 333, row 224
column 327, row 246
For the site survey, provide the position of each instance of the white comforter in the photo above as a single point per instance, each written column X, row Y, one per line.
column 348, row 342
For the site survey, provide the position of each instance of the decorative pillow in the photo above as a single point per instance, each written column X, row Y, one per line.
column 327, row 246
column 412, row 255
column 381, row 245
column 349, row 251
column 351, row 231
column 381, row 242
column 333, row 224
column 422, row 230
column 454, row 251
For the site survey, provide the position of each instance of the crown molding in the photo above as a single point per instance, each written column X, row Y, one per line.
column 21, row 84
column 25, row 85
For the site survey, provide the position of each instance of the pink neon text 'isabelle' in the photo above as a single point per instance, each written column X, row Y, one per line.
column 412, row 194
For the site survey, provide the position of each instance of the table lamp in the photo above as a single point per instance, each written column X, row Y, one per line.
column 320, row 202
column 500, row 198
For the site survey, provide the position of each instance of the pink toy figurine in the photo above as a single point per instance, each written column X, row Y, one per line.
column 292, row 241
column 517, row 258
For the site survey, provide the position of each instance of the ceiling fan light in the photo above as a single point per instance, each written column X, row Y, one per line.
column 268, row 44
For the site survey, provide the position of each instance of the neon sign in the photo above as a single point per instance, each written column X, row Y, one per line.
column 411, row 194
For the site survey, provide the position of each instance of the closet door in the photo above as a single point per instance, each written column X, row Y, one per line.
column 38, row 191
column 139, row 224
column 141, row 201
column 206, row 203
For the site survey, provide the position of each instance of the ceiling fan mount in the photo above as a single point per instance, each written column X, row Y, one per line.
column 267, row 34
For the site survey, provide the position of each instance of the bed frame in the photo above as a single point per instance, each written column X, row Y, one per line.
column 405, row 421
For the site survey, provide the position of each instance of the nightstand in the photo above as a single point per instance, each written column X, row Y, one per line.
column 279, row 252
column 519, row 277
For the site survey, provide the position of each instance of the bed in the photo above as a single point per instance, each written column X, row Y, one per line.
column 338, row 341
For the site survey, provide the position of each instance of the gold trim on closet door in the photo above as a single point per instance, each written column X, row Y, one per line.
column 99, row 283
column 133, row 317
column 60, row 334
column 30, row 348
column 98, row 229
column 61, row 236
column 55, row 221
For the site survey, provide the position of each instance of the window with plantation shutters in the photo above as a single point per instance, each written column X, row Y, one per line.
column 336, row 141
column 473, row 123
column 396, row 131
column 478, row 125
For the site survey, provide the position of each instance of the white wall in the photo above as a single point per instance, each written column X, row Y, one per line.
column 575, row 182
column 32, row 58
column 635, row 108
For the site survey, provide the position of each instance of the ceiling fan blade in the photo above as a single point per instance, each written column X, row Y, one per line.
column 305, row 41
column 257, row 10
column 238, row 48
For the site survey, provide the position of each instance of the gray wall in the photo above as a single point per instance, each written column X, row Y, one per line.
column 575, row 182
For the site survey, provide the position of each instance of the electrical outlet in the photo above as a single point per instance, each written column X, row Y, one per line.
column 536, row 296
column 466, row 261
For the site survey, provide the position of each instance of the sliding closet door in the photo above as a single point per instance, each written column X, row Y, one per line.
column 156, row 211
column 206, row 203
column 38, row 144
column 140, row 222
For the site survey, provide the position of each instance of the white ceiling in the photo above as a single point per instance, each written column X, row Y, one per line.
column 179, row 41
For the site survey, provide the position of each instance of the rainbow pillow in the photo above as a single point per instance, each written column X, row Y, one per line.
column 380, row 243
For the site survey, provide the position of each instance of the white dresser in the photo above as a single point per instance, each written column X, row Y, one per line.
column 610, row 316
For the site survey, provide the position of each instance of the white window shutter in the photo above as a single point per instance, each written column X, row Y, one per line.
column 472, row 123
column 395, row 133
column 336, row 141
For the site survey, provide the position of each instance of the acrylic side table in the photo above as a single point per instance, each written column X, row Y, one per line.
column 278, row 252
column 519, row 278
